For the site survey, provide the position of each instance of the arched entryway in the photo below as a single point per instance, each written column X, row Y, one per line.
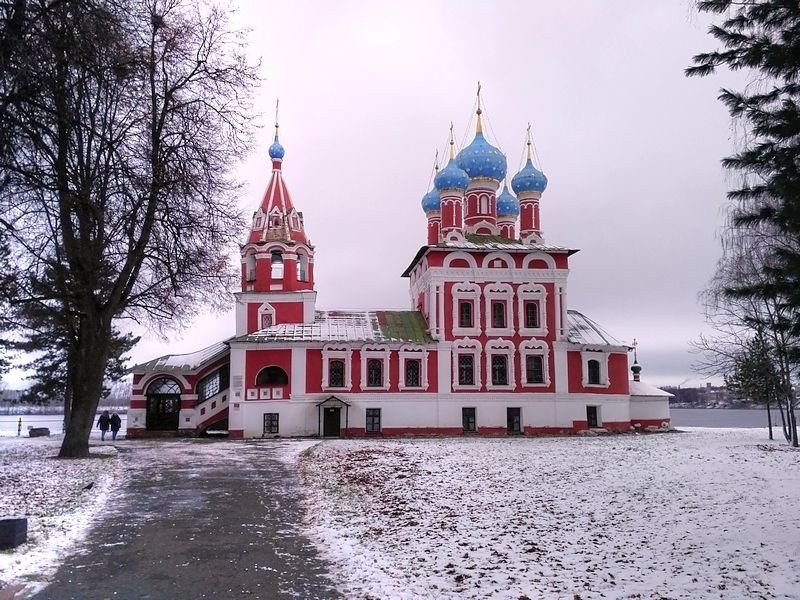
column 271, row 376
column 163, row 404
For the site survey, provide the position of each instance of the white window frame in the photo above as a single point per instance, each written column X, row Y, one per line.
column 467, row 346
column 503, row 348
column 601, row 356
column 337, row 352
column 527, row 293
column 266, row 309
column 534, row 348
column 302, row 266
column 499, row 292
column 464, row 291
column 411, row 352
column 381, row 353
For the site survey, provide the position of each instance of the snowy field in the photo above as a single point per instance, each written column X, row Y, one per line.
column 53, row 495
column 711, row 513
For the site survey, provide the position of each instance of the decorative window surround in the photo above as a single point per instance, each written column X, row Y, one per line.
column 338, row 352
column 467, row 346
column 600, row 356
column 471, row 292
column 411, row 352
column 538, row 256
column 266, row 316
column 459, row 255
column 499, row 292
column 504, row 348
column 490, row 260
column 535, row 348
column 532, row 292
column 381, row 353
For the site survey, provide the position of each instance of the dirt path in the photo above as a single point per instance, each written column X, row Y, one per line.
column 197, row 519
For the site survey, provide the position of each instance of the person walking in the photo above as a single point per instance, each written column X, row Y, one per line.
column 103, row 422
column 115, row 422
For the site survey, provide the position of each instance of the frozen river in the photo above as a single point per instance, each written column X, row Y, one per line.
column 681, row 417
column 9, row 424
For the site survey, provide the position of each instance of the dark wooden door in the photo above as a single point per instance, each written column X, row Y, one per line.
column 331, row 422
column 591, row 416
column 514, row 420
column 163, row 411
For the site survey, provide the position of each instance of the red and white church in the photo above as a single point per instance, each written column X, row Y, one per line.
column 489, row 346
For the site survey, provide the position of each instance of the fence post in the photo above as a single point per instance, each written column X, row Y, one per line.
column 19, row 427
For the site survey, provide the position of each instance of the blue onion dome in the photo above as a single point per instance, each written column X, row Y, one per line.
column 481, row 159
column 452, row 177
column 431, row 201
column 507, row 204
column 529, row 179
column 276, row 150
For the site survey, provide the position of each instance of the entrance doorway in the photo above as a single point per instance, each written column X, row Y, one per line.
column 332, row 421
column 514, row 420
column 592, row 417
column 163, row 405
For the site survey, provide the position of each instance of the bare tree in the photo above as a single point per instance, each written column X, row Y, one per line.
column 119, row 198
column 743, row 321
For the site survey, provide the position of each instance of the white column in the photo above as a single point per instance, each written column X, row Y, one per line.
column 445, row 375
column 560, row 362
column 298, row 381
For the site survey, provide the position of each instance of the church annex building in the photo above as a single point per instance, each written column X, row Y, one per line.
column 489, row 346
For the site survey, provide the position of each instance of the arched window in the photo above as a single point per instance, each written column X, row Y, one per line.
column 485, row 205
column 163, row 404
column 164, row 385
column 277, row 264
column 272, row 376
column 374, row 372
column 594, row 372
column 302, row 266
column 251, row 267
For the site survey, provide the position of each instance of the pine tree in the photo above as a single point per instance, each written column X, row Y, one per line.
column 762, row 37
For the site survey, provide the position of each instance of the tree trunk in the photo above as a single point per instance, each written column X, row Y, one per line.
column 793, row 424
column 784, row 422
column 89, row 369
column 67, row 395
column 769, row 421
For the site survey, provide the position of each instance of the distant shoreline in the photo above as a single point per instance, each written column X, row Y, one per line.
column 49, row 410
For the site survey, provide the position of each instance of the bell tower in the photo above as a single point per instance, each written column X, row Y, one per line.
column 277, row 260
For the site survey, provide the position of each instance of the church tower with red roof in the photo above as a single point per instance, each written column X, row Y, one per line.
column 277, row 260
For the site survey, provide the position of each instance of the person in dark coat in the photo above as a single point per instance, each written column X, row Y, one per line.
column 103, row 422
column 115, row 422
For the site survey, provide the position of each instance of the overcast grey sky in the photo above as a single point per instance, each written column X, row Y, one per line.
column 630, row 146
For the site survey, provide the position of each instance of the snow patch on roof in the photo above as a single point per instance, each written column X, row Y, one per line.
column 640, row 388
column 184, row 362
column 583, row 330
column 349, row 326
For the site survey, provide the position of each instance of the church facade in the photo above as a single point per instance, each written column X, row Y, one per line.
column 489, row 346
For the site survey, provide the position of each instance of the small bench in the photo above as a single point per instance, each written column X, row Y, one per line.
column 13, row 532
column 38, row 432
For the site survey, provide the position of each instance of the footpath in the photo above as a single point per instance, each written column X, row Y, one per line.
column 197, row 519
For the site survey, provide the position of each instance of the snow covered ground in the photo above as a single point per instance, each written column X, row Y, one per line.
column 53, row 495
column 711, row 513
